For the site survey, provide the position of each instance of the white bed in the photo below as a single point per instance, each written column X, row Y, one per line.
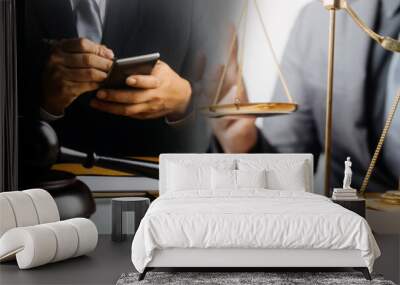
column 196, row 224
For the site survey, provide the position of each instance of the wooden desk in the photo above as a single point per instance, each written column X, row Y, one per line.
column 108, row 175
column 78, row 169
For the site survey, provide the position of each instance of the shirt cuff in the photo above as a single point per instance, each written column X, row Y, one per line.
column 189, row 114
column 178, row 122
column 46, row 116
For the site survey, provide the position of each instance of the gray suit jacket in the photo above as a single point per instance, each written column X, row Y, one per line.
column 305, row 66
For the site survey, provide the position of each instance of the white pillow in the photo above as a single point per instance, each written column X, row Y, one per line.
column 237, row 179
column 182, row 178
column 293, row 178
column 223, row 179
column 280, row 175
column 251, row 178
column 185, row 175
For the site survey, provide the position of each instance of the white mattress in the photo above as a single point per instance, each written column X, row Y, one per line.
column 253, row 219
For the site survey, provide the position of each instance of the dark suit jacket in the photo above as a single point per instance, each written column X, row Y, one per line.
column 132, row 27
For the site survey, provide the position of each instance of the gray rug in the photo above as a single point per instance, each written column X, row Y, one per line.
column 236, row 278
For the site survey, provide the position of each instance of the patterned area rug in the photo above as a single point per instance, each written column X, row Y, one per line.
column 253, row 278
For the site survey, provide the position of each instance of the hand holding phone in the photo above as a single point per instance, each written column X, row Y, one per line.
column 162, row 93
column 124, row 68
column 74, row 67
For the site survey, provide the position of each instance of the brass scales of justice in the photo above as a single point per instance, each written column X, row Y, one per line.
column 267, row 109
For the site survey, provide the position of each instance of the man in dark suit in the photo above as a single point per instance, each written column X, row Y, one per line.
column 366, row 80
column 85, row 36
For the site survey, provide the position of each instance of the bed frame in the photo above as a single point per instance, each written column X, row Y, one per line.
column 250, row 259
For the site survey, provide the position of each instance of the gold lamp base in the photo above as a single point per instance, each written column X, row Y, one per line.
column 250, row 109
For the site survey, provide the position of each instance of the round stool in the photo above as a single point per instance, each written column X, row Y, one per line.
column 137, row 205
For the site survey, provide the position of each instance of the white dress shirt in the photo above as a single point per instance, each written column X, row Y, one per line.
column 100, row 3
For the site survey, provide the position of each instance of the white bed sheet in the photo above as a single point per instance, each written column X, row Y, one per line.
column 251, row 218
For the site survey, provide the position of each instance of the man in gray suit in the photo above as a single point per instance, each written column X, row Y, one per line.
column 365, row 78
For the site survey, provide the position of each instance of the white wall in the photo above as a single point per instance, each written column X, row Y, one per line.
column 259, row 72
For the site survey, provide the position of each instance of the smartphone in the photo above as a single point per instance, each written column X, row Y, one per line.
column 123, row 68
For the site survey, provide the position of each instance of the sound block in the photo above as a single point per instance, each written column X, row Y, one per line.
column 73, row 197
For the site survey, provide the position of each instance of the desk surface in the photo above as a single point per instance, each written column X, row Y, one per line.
column 78, row 169
column 374, row 203
column 103, row 266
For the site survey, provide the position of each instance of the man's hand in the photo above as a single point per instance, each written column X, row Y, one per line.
column 236, row 134
column 163, row 93
column 76, row 66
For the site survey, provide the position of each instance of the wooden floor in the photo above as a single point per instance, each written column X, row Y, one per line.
column 103, row 266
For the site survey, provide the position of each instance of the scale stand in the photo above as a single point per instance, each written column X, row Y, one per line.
column 387, row 43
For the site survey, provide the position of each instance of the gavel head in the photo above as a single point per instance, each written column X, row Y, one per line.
column 38, row 145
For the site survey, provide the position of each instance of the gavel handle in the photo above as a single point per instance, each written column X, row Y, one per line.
column 148, row 169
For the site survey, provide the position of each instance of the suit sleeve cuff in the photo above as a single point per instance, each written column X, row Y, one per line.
column 48, row 117
column 187, row 116
column 262, row 145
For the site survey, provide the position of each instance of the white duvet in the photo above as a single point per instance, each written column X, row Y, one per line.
column 250, row 219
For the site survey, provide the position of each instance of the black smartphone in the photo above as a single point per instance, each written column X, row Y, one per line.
column 123, row 68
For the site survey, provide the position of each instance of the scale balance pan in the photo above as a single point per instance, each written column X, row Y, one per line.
column 250, row 109
column 391, row 197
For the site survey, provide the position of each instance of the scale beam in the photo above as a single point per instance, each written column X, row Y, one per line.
column 387, row 43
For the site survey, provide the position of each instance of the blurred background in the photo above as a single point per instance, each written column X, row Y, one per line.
column 259, row 73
